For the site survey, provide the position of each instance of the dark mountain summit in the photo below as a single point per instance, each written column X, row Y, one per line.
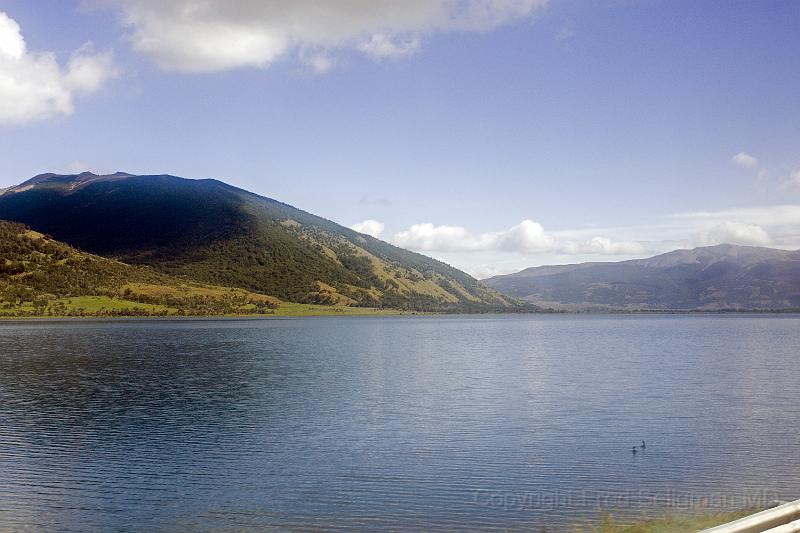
column 209, row 231
column 708, row 278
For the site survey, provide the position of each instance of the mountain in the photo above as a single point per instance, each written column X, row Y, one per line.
column 41, row 277
column 208, row 231
column 723, row 277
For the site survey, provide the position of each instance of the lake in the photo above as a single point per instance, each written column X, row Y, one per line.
column 451, row 422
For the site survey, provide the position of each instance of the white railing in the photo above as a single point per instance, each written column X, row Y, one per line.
column 781, row 519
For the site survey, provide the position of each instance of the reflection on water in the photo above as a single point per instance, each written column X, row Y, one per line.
column 370, row 423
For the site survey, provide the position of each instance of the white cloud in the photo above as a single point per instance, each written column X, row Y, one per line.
column 381, row 46
column 777, row 226
column 75, row 167
column 773, row 215
column 33, row 86
column 604, row 246
column 488, row 271
column 427, row 237
column 319, row 60
column 735, row 233
column 527, row 237
column 193, row 36
column 793, row 181
column 745, row 160
column 370, row 227
column 87, row 71
column 12, row 44
column 768, row 176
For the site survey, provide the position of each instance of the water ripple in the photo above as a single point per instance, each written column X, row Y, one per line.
column 433, row 423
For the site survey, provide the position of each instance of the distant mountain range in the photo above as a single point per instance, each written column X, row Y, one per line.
column 724, row 277
column 209, row 232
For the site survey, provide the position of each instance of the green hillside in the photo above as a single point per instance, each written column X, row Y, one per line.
column 43, row 277
column 208, row 231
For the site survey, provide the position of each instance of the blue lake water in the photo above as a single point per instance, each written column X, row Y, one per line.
column 415, row 423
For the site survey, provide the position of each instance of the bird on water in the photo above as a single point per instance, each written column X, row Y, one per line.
column 643, row 445
column 634, row 450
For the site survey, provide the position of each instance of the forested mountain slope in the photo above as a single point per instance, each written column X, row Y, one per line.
column 212, row 232
column 41, row 277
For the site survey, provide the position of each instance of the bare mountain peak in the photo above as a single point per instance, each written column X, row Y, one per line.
column 65, row 182
column 712, row 254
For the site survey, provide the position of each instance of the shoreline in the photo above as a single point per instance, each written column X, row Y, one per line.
column 376, row 312
column 667, row 523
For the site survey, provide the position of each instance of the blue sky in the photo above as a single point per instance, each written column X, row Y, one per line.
column 495, row 135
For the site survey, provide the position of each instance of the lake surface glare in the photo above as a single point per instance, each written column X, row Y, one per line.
column 400, row 423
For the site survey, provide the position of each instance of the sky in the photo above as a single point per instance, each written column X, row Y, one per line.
column 492, row 134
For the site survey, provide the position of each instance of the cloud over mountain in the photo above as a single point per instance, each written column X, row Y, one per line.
column 193, row 36
column 735, row 233
column 527, row 237
column 373, row 228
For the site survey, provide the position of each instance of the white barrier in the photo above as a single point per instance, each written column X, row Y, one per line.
column 781, row 519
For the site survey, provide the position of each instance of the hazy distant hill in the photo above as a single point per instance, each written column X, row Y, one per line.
column 708, row 278
column 209, row 231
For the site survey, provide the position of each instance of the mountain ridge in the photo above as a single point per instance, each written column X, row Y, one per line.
column 720, row 277
column 212, row 232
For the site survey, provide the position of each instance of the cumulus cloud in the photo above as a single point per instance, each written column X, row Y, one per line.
column 12, row 45
column 775, row 225
column 527, row 237
column 745, row 160
column 370, row 227
column 33, row 86
column 731, row 232
column 192, row 36
column 427, row 237
column 529, row 244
